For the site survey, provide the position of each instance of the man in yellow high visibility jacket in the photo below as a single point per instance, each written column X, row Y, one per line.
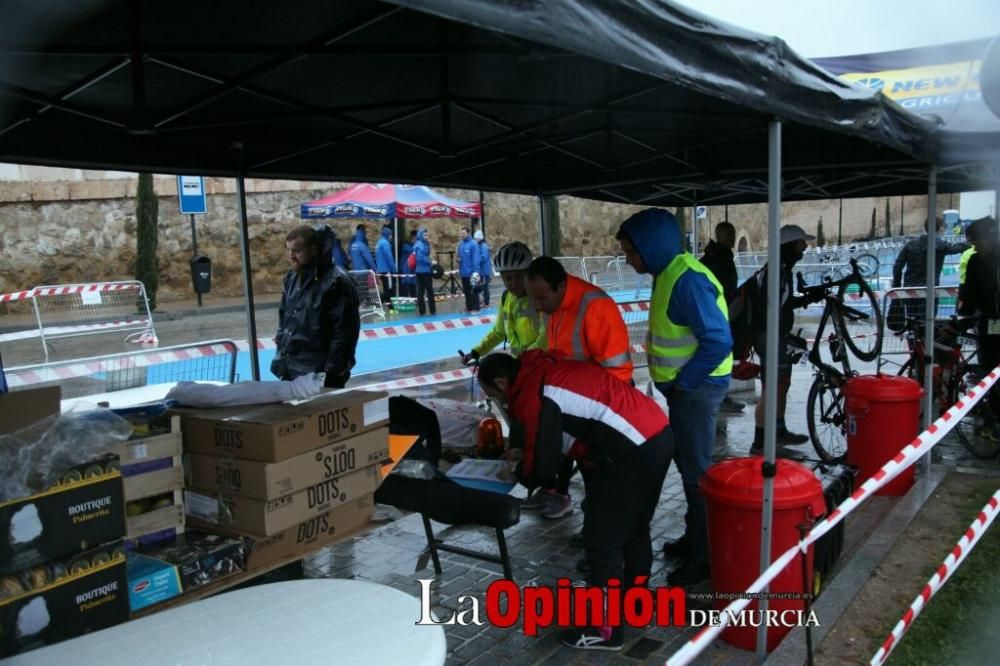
column 689, row 348
column 518, row 322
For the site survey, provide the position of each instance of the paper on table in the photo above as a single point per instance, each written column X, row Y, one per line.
column 481, row 470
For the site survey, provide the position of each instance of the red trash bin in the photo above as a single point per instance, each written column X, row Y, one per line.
column 883, row 416
column 733, row 494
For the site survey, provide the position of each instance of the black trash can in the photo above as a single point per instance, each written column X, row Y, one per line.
column 201, row 274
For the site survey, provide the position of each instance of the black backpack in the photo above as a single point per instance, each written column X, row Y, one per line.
column 744, row 310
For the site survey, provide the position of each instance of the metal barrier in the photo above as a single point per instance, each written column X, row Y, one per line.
column 894, row 344
column 369, row 300
column 636, row 316
column 603, row 272
column 73, row 310
column 640, row 286
column 573, row 266
column 205, row 361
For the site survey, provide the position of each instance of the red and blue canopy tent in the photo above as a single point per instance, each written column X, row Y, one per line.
column 387, row 201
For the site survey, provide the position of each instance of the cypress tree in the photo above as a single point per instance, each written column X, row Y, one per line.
column 820, row 236
column 147, row 208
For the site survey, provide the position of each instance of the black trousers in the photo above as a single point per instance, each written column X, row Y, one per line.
column 621, row 500
column 471, row 298
column 425, row 289
column 386, row 288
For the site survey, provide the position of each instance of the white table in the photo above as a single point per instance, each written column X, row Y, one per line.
column 315, row 622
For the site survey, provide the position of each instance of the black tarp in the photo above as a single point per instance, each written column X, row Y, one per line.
column 621, row 100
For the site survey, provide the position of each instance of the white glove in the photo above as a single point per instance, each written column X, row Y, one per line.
column 474, row 279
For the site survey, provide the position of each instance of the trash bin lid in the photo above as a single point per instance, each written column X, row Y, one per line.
column 883, row 388
column 739, row 482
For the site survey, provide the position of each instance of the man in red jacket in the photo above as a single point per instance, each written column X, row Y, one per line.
column 560, row 408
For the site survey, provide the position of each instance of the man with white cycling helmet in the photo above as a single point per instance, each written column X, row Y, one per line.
column 518, row 322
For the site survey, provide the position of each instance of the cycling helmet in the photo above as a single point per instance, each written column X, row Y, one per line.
column 512, row 257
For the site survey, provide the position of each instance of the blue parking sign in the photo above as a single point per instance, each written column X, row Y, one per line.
column 191, row 192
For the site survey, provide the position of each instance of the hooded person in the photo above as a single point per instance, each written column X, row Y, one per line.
column 385, row 263
column 338, row 254
column 689, row 349
column 485, row 266
column 361, row 254
column 422, row 269
column 467, row 252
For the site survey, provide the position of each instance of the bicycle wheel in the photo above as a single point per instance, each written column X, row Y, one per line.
column 977, row 430
column 868, row 265
column 862, row 334
column 827, row 420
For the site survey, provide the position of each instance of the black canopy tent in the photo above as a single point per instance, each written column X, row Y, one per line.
column 619, row 100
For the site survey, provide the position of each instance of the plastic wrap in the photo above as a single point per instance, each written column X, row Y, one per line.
column 37, row 457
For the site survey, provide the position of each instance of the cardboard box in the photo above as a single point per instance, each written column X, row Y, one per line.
column 62, row 521
column 251, row 478
column 21, row 409
column 276, row 432
column 268, row 517
column 307, row 536
column 92, row 599
column 202, row 558
column 150, row 581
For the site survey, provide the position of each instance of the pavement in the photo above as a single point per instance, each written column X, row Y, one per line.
column 395, row 554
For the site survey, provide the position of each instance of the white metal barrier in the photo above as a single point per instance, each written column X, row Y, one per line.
column 72, row 310
column 369, row 299
column 895, row 348
column 573, row 266
column 636, row 316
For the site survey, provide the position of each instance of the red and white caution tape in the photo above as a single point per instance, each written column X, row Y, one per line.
column 422, row 380
column 68, row 289
column 55, row 373
column 940, row 577
column 634, row 306
column 893, row 468
column 425, row 327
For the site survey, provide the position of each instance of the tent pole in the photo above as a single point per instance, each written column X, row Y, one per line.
column 771, row 369
column 929, row 311
column 542, row 249
column 241, row 202
column 482, row 214
column 395, row 248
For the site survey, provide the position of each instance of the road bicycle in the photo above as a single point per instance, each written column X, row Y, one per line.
column 868, row 264
column 852, row 310
column 954, row 374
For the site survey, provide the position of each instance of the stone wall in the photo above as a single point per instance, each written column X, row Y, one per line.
column 83, row 230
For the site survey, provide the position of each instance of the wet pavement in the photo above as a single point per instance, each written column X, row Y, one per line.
column 394, row 553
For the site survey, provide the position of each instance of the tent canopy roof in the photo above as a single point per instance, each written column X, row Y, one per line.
column 626, row 100
column 387, row 201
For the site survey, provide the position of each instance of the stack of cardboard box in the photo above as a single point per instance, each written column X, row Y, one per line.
column 154, row 484
column 288, row 477
column 62, row 563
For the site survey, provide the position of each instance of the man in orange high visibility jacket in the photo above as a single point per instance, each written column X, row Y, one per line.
column 584, row 324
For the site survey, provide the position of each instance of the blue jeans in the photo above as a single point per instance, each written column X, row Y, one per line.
column 692, row 419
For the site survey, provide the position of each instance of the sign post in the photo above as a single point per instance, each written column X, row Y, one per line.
column 193, row 201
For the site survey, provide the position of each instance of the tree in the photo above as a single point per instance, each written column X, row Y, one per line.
column 820, row 237
column 888, row 223
column 873, row 233
column 147, row 210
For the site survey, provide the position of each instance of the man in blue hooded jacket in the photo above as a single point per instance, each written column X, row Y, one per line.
column 425, row 280
column 339, row 256
column 689, row 348
column 361, row 254
column 385, row 263
column 468, row 264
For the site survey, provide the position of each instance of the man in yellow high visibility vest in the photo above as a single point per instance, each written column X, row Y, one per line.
column 689, row 348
